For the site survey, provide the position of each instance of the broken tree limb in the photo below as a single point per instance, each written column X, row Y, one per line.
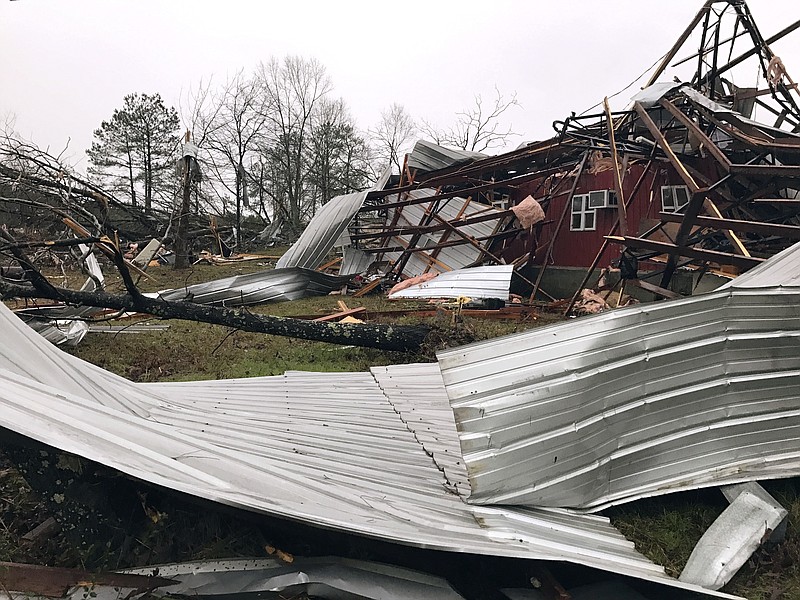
column 401, row 338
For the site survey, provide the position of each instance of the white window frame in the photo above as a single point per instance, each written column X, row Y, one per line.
column 582, row 217
column 669, row 204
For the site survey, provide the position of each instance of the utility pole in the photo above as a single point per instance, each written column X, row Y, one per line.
column 181, row 241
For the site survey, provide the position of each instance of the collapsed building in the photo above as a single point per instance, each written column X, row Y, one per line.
column 683, row 181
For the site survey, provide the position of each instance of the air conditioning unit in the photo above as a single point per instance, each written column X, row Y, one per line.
column 501, row 202
column 603, row 199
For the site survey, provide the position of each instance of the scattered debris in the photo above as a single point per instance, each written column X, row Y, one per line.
column 147, row 254
column 59, row 331
column 751, row 520
column 344, row 312
column 56, row 582
column 42, row 531
column 590, row 303
column 326, row 577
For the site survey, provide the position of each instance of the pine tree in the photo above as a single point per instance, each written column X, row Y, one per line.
column 132, row 151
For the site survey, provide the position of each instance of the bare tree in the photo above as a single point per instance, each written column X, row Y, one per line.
column 236, row 121
column 294, row 86
column 393, row 136
column 477, row 128
column 339, row 156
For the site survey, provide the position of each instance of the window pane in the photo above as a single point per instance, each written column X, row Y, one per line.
column 666, row 198
column 577, row 203
column 588, row 222
column 576, row 222
column 681, row 196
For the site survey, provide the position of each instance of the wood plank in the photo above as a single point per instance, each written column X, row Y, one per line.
column 330, row 264
column 723, row 258
column 341, row 314
column 654, row 289
column 787, row 231
column 55, row 581
column 367, row 288
column 621, row 211
column 708, row 143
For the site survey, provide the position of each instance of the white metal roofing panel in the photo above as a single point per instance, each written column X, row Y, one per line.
column 491, row 281
column 321, row 233
column 417, row 393
column 330, row 222
column 427, row 156
column 355, row 261
column 325, row 448
column 649, row 96
column 634, row 402
column 783, row 270
column 270, row 285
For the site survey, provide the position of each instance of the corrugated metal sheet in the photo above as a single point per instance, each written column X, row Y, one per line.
column 417, row 393
column 272, row 285
column 636, row 402
column 427, row 156
column 355, row 261
column 328, row 449
column 57, row 331
column 491, row 281
column 328, row 224
column 448, row 258
column 782, row 270
column 649, row 96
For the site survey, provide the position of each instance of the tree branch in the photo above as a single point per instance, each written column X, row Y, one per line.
column 384, row 337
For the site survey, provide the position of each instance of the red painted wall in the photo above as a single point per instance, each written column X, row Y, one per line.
column 579, row 248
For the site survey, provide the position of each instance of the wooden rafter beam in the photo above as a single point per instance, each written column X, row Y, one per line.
column 787, row 231
column 621, row 211
column 722, row 258
column 685, row 175
column 431, row 228
column 708, row 143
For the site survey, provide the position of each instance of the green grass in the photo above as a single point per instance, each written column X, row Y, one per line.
column 192, row 351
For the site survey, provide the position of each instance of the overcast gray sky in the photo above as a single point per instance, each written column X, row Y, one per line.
column 66, row 64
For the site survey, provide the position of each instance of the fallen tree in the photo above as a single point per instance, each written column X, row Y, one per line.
column 32, row 171
column 383, row 337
